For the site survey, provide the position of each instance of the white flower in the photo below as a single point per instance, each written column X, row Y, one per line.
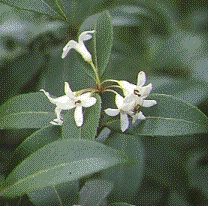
column 125, row 107
column 138, row 90
column 136, row 113
column 79, row 46
column 70, row 101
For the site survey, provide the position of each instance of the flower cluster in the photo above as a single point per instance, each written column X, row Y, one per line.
column 131, row 104
column 70, row 101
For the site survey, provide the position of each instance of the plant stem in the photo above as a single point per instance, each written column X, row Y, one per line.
column 96, row 75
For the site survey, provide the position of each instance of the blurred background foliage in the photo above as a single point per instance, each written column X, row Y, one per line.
column 166, row 39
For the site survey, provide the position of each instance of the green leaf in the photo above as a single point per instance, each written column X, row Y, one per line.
column 58, row 162
column 169, row 117
column 102, row 39
column 91, row 121
column 33, row 143
column 126, row 178
column 32, row 110
column 49, row 7
column 94, row 192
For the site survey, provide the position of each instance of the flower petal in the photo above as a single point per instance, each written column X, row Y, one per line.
column 145, row 91
column 68, row 90
column 112, row 112
column 149, row 103
column 119, row 101
column 71, row 44
column 127, row 87
column 78, row 116
column 57, row 122
column 52, row 100
column 141, row 79
column 84, row 36
column 124, row 121
column 87, row 100
column 140, row 116
column 81, row 48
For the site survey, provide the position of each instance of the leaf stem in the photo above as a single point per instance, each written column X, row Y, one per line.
column 96, row 75
column 110, row 80
column 110, row 90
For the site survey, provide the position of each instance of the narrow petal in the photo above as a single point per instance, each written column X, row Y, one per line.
column 149, row 103
column 124, row 121
column 127, row 87
column 71, row 44
column 78, row 116
column 68, row 90
column 138, row 116
column 57, row 122
column 119, row 101
column 145, row 91
column 141, row 79
column 112, row 112
column 52, row 100
column 141, row 116
column 84, row 36
column 81, row 48
column 128, row 103
column 87, row 100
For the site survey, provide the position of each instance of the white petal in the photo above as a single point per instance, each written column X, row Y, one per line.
column 57, row 122
column 149, row 103
column 78, row 116
column 141, row 79
column 87, row 100
column 128, row 88
column 68, row 90
column 64, row 102
column 81, row 48
column 145, row 91
column 140, row 116
column 84, row 36
column 119, row 101
column 71, row 44
column 124, row 121
column 52, row 100
column 112, row 112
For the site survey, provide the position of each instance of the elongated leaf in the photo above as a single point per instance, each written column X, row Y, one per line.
column 126, row 178
column 48, row 7
column 32, row 110
column 89, row 128
column 58, row 162
column 94, row 192
column 102, row 39
column 33, row 143
column 171, row 116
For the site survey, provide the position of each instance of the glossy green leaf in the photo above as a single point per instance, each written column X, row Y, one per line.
column 68, row 193
column 126, row 178
column 32, row 110
column 169, row 117
column 58, row 162
column 33, row 143
column 94, row 192
column 49, row 7
column 91, row 121
column 102, row 39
